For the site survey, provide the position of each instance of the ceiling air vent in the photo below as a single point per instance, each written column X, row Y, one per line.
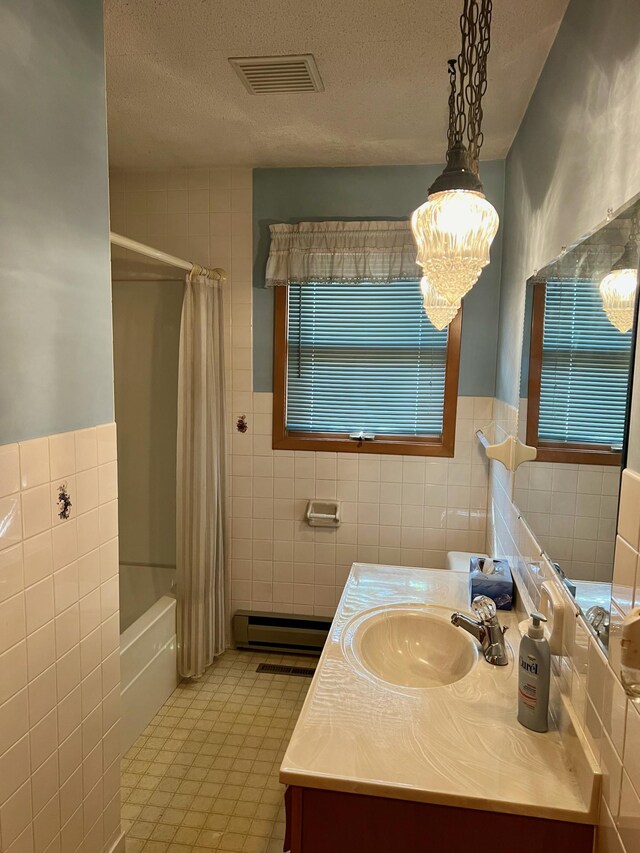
column 274, row 75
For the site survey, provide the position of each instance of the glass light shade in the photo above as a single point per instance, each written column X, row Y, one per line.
column 454, row 230
column 618, row 291
column 439, row 310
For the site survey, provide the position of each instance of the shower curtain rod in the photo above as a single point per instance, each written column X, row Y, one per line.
column 133, row 246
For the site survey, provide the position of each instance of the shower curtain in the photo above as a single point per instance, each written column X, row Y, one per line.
column 201, row 479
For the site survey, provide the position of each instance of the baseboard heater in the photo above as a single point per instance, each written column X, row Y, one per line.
column 280, row 632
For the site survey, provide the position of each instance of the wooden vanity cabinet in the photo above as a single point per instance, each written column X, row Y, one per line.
column 334, row 822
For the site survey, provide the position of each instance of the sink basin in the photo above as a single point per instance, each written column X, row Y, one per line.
column 410, row 646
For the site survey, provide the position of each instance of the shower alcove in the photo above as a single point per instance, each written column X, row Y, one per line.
column 147, row 297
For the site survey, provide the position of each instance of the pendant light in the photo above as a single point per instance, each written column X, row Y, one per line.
column 455, row 227
column 438, row 309
column 618, row 288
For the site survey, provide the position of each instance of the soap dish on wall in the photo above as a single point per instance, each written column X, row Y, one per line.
column 323, row 513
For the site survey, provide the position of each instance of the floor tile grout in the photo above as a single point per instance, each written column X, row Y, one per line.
column 203, row 775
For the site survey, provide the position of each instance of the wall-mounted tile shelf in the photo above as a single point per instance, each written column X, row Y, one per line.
column 511, row 452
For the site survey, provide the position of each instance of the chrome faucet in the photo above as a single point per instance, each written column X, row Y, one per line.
column 486, row 629
column 599, row 617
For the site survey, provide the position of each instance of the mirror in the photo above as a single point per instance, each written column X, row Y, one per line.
column 574, row 398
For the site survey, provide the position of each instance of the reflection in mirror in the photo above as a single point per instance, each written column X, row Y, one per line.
column 575, row 381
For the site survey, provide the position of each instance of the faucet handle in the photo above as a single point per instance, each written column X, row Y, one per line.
column 484, row 607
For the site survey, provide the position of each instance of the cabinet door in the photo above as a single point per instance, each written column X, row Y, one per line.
column 334, row 822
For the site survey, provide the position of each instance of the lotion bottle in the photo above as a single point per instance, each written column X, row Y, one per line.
column 534, row 673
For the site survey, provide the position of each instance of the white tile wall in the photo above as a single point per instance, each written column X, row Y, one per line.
column 395, row 510
column 59, row 647
column 591, row 683
column 572, row 509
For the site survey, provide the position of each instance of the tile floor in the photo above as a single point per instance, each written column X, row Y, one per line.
column 204, row 774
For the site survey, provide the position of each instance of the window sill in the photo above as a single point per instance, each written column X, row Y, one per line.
column 578, row 455
column 390, row 445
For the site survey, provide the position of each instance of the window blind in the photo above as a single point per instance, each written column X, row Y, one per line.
column 585, row 368
column 363, row 357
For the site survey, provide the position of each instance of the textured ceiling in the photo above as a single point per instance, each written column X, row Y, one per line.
column 174, row 100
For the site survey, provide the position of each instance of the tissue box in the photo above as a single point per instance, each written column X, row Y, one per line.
column 498, row 585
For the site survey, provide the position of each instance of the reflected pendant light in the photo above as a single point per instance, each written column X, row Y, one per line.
column 438, row 309
column 618, row 288
column 455, row 227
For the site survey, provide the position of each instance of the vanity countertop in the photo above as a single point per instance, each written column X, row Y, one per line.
column 457, row 745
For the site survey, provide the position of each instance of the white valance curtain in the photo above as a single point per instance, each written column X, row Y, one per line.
column 201, row 485
column 348, row 252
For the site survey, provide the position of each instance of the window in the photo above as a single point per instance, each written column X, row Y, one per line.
column 578, row 376
column 363, row 357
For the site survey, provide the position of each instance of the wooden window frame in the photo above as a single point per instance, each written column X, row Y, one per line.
column 549, row 451
column 404, row 445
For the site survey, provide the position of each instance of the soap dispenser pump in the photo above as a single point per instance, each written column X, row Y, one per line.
column 534, row 673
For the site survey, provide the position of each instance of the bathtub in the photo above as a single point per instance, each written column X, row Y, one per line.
column 148, row 669
column 140, row 587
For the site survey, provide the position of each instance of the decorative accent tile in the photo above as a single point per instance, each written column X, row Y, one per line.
column 52, row 671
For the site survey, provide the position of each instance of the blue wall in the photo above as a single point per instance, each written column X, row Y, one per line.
column 575, row 156
column 371, row 192
column 55, row 322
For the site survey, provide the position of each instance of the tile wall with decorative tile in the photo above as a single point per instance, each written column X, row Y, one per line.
column 584, row 677
column 406, row 510
column 398, row 510
column 59, row 644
